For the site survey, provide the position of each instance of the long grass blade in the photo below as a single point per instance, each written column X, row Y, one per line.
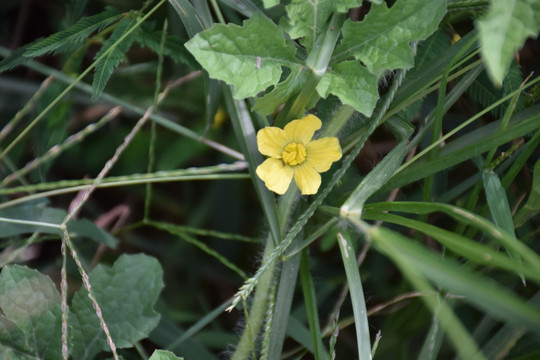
column 499, row 207
column 476, row 252
column 308, row 289
column 463, row 216
column 348, row 256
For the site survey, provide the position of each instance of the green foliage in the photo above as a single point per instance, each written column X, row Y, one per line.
column 353, row 84
column 236, row 56
column 74, row 35
column 164, row 355
column 399, row 83
column 308, row 20
column 503, row 30
column 484, row 92
column 15, row 58
column 111, row 53
column 31, row 323
column 387, row 32
column 248, row 57
column 173, row 48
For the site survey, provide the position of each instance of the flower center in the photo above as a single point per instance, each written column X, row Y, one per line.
column 293, row 154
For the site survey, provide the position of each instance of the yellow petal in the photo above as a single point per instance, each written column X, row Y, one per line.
column 276, row 176
column 321, row 153
column 271, row 141
column 307, row 179
column 301, row 131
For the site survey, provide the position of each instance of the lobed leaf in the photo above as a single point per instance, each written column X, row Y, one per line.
column 353, row 84
column 126, row 293
column 381, row 40
column 307, row 19
column 248, row 57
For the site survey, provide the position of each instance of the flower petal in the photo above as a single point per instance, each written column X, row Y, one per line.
column 271, row 141
column 321, row 153
column 276, row 176
column 301, row 131
column 307, row 179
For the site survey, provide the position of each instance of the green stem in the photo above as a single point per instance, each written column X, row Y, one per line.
column 317, row 61
column 256, row 315
column 217, row 10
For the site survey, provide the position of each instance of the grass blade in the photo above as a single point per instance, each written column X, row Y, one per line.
column 462, row 246
column 375, row 179
column 499, row 207
column 463, row 216
column 308, row 290
column 348, row 256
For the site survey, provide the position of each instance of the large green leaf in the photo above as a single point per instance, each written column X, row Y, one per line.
column 249, row 57
column 126, row 293
column 381, row 40
column 353, row 84
column 504, row 30
column 31, row 320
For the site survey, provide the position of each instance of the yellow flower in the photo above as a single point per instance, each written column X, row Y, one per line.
column 292, row 153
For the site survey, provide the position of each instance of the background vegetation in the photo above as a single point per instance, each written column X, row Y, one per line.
column 131, row 217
